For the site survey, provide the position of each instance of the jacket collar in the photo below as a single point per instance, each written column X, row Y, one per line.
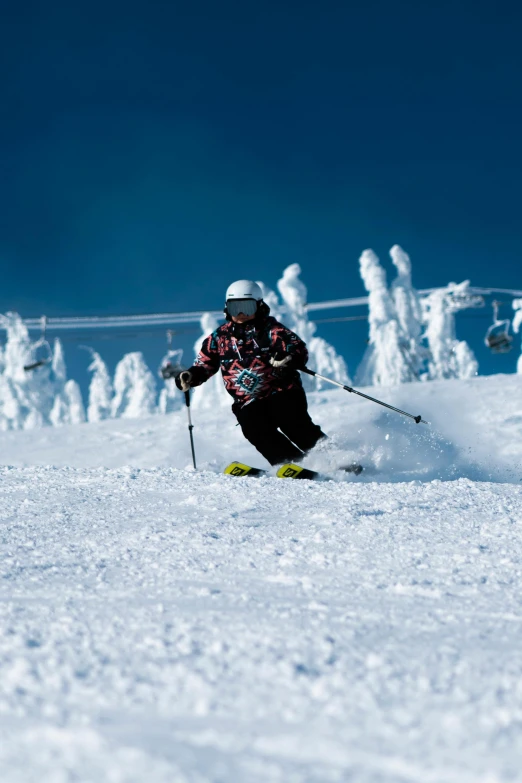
column 238, row 330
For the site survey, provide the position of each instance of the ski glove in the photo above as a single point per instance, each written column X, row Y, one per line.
column 280, row 359
column 183, row 380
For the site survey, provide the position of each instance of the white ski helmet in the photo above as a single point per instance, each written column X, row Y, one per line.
column 244, row 289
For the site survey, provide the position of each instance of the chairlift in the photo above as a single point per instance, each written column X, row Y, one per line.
column 42, row 351
column 172, row 360
column 497, row 337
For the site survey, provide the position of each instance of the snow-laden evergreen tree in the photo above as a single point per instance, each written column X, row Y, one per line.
column 100, row 389
column 409, row 311
column 67, row 407
column 272, row 300
column 28, row 398
column 60, row 411
column 59, row 370
column 212, row 393
column 171, row 399
column 323, row 358
column 386, row 361
column 18, row 402
column 134, row 388
column 73, row 396
column 449, row 357
column 517, row 323
column 34, row 397
column 294, row 294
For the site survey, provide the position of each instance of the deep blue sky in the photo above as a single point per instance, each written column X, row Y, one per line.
column 152, row 152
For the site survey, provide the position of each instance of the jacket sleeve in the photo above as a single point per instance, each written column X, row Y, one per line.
column 207, row 361
column 287, row 341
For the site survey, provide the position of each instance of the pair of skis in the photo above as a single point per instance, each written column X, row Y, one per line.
column 289, row 470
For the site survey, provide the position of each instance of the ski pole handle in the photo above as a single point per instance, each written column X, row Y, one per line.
column 416, row 419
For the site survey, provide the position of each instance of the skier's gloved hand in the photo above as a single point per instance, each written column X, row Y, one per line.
column 183, row 380
column 280, row 359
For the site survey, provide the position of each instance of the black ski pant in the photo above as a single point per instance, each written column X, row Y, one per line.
column 279, row 426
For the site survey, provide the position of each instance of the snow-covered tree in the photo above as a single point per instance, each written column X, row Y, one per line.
column 387, row 359
column 33, row 381
column 399, row 350
column 212, row 393
column 517, row 323
column 59, row 411
column 326, row 361
column 100, row 389
column 272, row 300
column 19, row 397
column 449, row 357
column 67, row 406
column 409, row 310
column 323, row 357
column 58, row 367
column 19, row 350
column 294, row 294
column 134, row 388
column 73, row 396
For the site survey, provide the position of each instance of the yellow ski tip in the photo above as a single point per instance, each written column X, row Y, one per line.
column 237, row 469
column 289, row 470
column 240, row 469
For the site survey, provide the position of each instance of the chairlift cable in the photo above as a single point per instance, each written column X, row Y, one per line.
column 168, row 319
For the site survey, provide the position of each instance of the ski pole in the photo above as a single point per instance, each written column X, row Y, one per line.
column 416, row 419
column 191, row 427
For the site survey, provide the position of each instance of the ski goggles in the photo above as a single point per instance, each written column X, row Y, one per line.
column 245, row 306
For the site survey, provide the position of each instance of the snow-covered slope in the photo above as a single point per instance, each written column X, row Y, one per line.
column 475, row 431
column 163, row 625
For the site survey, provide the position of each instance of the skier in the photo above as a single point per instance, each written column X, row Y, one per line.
column 259, row 360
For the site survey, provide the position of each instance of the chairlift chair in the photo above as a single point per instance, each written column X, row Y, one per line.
column 171, row 366
column 497, row 338
column 42, row 351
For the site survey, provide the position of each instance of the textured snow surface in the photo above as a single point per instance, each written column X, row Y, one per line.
column 163, row 625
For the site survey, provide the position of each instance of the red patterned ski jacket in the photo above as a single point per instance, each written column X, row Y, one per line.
column 242, row 351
